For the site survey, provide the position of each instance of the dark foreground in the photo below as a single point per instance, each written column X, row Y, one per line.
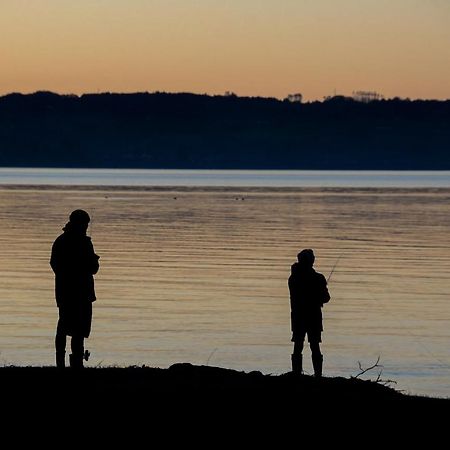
column 187, row 403
column 210, row 386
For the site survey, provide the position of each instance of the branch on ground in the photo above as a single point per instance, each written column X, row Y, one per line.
column 378, row 378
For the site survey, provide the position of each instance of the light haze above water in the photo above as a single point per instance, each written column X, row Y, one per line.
column 198, row 273
column 228, row 178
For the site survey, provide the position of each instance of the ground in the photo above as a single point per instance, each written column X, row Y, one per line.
column 204, row 406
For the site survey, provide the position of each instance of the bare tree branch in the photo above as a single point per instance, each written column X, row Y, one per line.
column 363, row 371
column 378, row 379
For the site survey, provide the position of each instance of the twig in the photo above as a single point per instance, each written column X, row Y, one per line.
column 378, row 379
column 363, row 371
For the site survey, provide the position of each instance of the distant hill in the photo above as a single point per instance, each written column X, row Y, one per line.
column 161, row 130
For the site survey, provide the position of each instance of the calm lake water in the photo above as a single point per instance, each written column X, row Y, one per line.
column 195, row 269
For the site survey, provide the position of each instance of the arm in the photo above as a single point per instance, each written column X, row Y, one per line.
column 325, row 294
column 55, row 258
column 294, row 313
column 93, row 259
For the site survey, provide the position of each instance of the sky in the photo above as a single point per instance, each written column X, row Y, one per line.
column 268, row 48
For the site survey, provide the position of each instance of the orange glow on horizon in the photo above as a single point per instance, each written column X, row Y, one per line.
column 260, row 48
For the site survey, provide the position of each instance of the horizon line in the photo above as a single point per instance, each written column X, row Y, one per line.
column 225, row 94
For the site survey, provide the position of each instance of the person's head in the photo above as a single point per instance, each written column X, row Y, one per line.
column 306, row 258
column 79, row 220
column 79, row 216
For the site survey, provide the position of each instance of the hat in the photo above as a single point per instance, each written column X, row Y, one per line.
column 306, row 257
column 79, row 216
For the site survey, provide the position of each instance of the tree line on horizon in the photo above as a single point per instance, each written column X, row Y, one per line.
column 164, row 130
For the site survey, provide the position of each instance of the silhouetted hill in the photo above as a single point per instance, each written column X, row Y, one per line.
column 184, row 130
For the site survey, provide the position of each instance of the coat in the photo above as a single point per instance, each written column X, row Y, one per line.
column 308, row 292
column 74, row 263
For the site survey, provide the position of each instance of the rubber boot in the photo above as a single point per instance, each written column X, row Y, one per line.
column 317, row 361
column 297, row 363
column 76, row 361
column 60, row 360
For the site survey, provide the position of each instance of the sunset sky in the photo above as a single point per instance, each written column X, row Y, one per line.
column 265, row 48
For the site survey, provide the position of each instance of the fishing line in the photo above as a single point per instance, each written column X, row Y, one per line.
column 415, row 339
column 393, row 315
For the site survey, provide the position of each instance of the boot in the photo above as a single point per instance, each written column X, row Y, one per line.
column 317, row 361
column 297, row 363
column 60, row 360
column 76, row 361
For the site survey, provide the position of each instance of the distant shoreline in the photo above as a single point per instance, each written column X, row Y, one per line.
column 190, row 131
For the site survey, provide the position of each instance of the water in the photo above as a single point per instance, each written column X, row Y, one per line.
column 197, row 273
column 229, row 178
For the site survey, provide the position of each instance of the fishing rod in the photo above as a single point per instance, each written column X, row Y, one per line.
column 334, row 267
column 91, row 224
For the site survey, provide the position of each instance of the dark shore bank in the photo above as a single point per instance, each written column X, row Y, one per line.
column 202, row 406
column 210, row 386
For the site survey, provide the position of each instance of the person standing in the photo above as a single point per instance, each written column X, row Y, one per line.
column 308, row 292
column 74, row 263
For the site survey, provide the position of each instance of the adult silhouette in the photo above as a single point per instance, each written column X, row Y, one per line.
column 308, row 292
column 74, row 263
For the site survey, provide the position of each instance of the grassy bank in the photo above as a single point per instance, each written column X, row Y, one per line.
column 202, row 405
column 203, row 383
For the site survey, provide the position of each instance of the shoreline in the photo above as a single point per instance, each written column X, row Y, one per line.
column 183, row 379
column 187, row 403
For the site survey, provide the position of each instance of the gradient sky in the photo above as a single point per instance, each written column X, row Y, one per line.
column 251, row 47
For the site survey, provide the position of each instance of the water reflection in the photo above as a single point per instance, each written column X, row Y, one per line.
column 200, row 275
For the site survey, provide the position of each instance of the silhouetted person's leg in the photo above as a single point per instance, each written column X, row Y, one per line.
column 60, row 346
column 317, row 358
column 77, row 346
column 297, row 357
